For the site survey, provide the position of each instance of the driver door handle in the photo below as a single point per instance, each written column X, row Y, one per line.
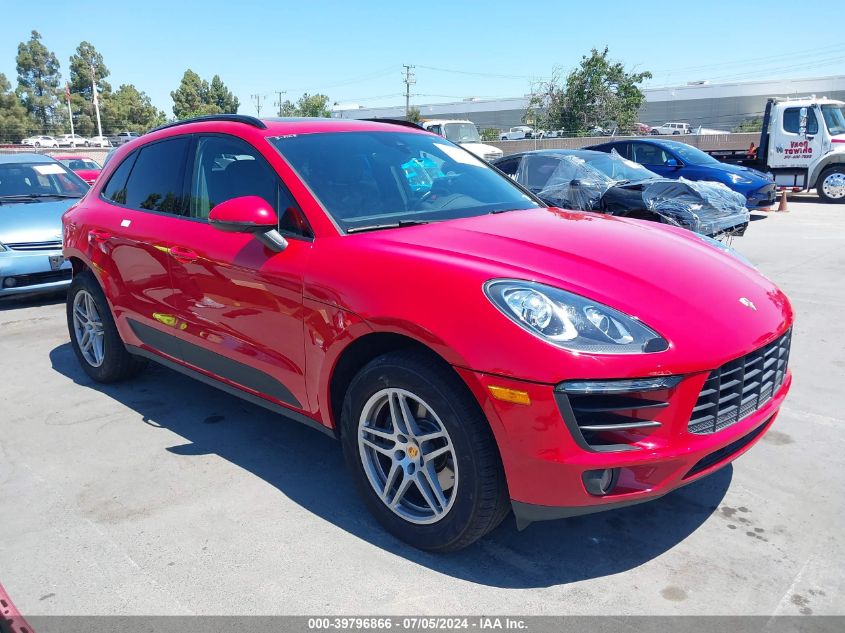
column 182, row 254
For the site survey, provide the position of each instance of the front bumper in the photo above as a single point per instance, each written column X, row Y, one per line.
column 544, row 460
column 762, row 198
column 32, row 272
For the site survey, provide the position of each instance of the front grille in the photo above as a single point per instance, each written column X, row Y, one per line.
column 491, row 157
column 739, row 388
column 36, row 246
column 726, row 451
column 613, row 415
column 36, row 279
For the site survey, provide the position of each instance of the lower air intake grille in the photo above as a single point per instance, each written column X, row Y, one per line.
column 739, row 388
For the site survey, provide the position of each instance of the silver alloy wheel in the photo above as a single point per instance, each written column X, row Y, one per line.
column 408, row 456
column 834, row 185
column 88, row 328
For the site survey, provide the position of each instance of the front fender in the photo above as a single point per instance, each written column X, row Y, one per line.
column 832, row 158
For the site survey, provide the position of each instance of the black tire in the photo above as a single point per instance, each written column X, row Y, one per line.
column 481, row 499
column 118, row 364
column 676, row 133
column 819, row 185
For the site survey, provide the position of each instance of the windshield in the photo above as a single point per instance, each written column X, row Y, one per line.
column 79, row 163
column 462, row 133
column 690, row 155
column 368, row 179
column 39, row 180
column 834, row 118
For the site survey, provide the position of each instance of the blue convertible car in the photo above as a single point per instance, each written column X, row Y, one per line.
column 35, row 190
column 673, row 159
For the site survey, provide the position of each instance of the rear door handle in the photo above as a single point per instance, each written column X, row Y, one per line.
column 182, row 254
column 95, row 235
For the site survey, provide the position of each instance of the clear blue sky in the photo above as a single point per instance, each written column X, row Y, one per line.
column 354, row 50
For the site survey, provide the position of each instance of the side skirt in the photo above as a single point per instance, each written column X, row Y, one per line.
column 261, row 402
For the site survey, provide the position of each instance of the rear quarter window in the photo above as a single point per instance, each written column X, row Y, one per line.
column 115, row 189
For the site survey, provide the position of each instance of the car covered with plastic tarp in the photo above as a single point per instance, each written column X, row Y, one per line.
column 595, row 181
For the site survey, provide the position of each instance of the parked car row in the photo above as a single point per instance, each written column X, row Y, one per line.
column 589, row 180
column 75, row 140
column 475, row 350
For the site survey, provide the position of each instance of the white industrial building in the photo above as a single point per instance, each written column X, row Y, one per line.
column 719, row 106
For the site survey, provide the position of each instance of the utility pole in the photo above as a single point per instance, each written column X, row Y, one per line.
column 279, row 102
column 96, row 101
column 257, row 99
column 409, row 80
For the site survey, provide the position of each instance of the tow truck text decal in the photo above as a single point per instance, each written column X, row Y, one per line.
column 796, row 149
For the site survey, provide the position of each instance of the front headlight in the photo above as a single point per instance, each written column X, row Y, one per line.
column 570, row 321
column 739, row 180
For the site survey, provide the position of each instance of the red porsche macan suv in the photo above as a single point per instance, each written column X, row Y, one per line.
column 473, row 350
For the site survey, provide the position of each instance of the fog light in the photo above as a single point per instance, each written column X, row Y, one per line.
column 600, row 482
column 10, row 282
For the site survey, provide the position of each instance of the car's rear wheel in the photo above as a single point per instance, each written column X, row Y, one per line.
column 422, row 453
column 93, row 333
column 831, row 187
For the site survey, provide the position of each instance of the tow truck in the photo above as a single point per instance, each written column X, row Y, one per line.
column 802, row 145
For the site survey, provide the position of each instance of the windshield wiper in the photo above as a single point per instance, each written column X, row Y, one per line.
column 392, row 225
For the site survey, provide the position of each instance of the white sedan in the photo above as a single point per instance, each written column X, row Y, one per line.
column 40, row 141
column 72, row 140
column 99, row 141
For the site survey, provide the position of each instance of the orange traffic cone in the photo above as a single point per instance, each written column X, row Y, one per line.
column 782, row 206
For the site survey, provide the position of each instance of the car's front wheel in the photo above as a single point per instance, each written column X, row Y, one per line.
column 93, row 333
column 422, row 453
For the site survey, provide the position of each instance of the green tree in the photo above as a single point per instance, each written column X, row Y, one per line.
column 191, row 98
column 130, row 109
column 220, row 96
column 490, row 134
column 413, row 114
column 308, row 105
column 195, row 97
column 81, row 97
column 38, row 79
column 15, row 123
column 600, row 92
column 754, row 124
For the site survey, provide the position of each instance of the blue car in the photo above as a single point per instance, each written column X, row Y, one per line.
column 673, row 159
column 35, row 190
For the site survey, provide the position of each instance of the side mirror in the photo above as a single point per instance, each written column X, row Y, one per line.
column 671, row 162
column 249, row 214
column 802, row 121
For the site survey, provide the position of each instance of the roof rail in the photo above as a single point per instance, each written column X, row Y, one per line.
column 402, row 122
column 232, row 118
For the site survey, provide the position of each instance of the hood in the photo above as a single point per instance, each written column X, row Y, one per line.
column 673, row 280
column 33, row 221
column 742, row 170
column 481, row 150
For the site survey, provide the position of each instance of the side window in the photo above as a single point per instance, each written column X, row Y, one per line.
column 155, row 183
column 537, row 170
column 226, row 167
column 792, row 120
column 646, row 154
column 509, row 166
column 436, row 129
column 115, row 189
